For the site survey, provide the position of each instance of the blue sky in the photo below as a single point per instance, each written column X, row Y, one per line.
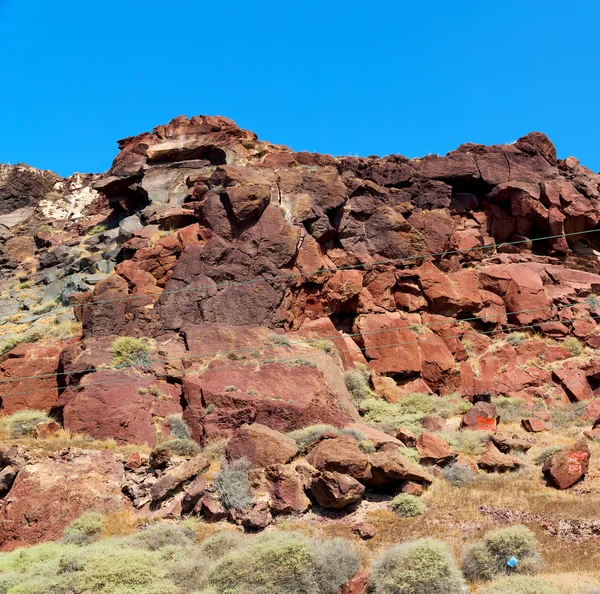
column 336, row 77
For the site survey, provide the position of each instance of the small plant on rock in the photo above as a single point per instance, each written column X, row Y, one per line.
column 516, row 338
column 131, row 352
column 233, row 485
column 407, row 506
column 187, row 448
column 546, row 454
column 178, row 428
column 573, row 345
column 357, row 383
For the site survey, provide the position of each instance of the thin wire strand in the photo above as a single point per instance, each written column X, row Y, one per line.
column 302, row 342
column 310, row 273
column 310, row 356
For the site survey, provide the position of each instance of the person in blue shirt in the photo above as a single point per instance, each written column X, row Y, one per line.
column 511, row 564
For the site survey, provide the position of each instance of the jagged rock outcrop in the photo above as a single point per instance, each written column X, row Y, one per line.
column 259, row 277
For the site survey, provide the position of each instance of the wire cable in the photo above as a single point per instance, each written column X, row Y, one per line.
column 338, row 336
column 313, row 272
column 310, row 356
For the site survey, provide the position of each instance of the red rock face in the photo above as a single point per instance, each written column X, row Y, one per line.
column 119, row 405
column 47, row 495
column 24, row 361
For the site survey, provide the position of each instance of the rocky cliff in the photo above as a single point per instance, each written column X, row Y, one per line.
column 263, row 291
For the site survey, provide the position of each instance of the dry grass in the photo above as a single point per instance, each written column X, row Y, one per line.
column 65, row 439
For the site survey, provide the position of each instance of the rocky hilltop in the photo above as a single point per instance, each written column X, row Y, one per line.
column 318, row 316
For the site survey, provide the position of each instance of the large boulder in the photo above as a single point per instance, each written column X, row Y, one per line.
column 493, row 460
column 261, row 446
column 434, row 450
column 482, row 417
column 335, row 490
column 389, row 468
column 567, row 466
column 50, row 493
column 340, row 454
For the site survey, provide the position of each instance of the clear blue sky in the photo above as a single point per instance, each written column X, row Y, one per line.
column 339, row 77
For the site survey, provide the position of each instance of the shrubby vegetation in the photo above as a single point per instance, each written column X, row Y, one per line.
column 407, row 506
column 487, row 558
column 285, row 563
column 233, row 485
column 22, row 423
column 421, row 567
column 180, row 447
column 573, row 345
column 511, row 410
column 85, row 529
column 168, row 559
column 519, row 584
column 130, row 352
column 469, row 442
column 546, row 454
column 407, row 412
column 459, row 474
column 178, row 428
column 357, row 383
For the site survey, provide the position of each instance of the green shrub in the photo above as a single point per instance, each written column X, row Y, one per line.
column 122, row 571
column 178, row 428
column 233, row 485
column 573, row 345
column 407, row 506
column 8, row 343
column 519, row 584
column 546, row 454
column 85, row 529
column 307, row 435
column 323, row 345
column 459, row 474
column 130, row 352
column 159, row 536
column 469, row 442
column 357, row 384
column 221, row 543
column 99, row 228
column 511, row 410
column 279, row 340
column 420, row 567
column 300, row 362
column 569, row 414
column 411, row 454
column 284, row 563
column 487, row 558
column 22, row 423
column 189, row 574
column 187, row 448
column 516, row 338
column 335, row 563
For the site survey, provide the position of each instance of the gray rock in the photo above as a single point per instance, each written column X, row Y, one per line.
column 166, row 185
column 104, row 267
column 16, row 217
column 128, row 225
